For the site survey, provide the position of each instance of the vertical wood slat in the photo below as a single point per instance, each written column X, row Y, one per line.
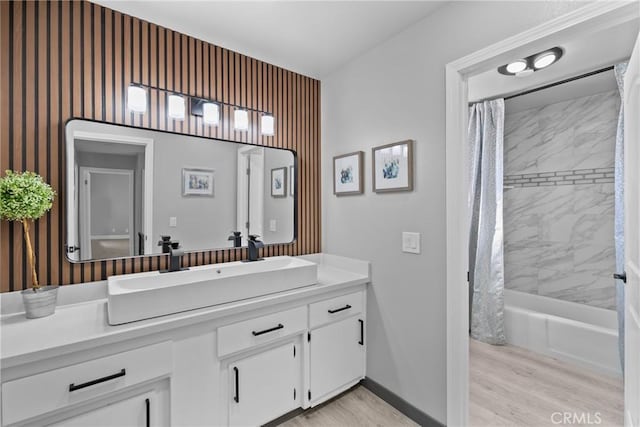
column 76, row 59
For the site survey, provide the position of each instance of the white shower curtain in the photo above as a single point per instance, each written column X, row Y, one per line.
column 486, row 257
column 620, row 70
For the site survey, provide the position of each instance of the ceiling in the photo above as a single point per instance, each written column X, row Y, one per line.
column 312, row 38
column 581, row 55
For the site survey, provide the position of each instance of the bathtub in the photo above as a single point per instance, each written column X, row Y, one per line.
column 568, row 331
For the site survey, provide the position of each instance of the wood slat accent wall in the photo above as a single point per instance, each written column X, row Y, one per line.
column 75, row 59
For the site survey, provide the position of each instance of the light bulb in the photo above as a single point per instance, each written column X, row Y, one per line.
column 175, row 106
column 516, row 66
column 136, row 99
column 544, row 60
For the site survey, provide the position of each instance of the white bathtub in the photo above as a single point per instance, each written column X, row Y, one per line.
column 576, row 333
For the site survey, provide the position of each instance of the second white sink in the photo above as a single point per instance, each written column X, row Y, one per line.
column 140, row 296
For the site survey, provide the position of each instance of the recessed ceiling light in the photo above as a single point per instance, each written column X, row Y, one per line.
column 544, row 60
column 517, row 66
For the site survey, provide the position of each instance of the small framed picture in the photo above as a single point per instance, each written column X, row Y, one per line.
column 393, row 167
column 279, row 182
column 292, row 180
column 348, row 174
column 197, row 182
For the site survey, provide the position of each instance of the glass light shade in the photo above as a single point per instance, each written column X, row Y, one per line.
column 544, row 60
column 241, row 120
column 516, row 66
column 137, row 99
column 175, row 107
column 211, row 113
column 267, row 125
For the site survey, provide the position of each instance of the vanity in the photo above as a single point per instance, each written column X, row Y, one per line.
column 241, row 362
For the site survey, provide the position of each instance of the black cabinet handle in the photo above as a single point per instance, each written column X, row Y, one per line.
column 73, row 387
column 361, row 342
column 237, row 396
column 622, row 276
column 147, row 403
column 266, row 331
column 346, row 307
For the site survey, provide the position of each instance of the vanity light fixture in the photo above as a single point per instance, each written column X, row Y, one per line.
column 136, row 99
column 267, row 126
column 532, row 63
column 175, row 107
column 241, row 119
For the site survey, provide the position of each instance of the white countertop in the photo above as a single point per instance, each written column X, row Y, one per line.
column 83, row 325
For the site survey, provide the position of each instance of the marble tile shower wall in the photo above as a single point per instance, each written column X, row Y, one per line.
column 558, row 217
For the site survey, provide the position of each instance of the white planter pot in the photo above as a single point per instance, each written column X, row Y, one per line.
column 40, row 303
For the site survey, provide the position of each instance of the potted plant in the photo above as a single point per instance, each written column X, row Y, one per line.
column 25, row 197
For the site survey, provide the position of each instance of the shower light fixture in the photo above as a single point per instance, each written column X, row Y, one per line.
column 175, row 107
column 241, row 119
column 535, row 62
column 136, row 99
column 517, row 66
column 267, row 125
column 544, row 60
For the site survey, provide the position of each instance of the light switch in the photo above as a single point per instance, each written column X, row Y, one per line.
column 411, row 242
column 173, row 221
column 272, row 225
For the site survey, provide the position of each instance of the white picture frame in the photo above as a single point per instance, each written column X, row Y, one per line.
column 197, row 182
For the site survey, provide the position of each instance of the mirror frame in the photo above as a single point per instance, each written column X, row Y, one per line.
column 65, row 246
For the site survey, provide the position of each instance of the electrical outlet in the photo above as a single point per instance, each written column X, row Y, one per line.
column 410, row 242
column 173, row 221
column 272, row 225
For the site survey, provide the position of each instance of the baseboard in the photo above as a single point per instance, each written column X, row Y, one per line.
column 286, row 417
column 400, row 404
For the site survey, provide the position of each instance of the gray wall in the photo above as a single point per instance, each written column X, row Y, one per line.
column 558, row 220
column 202, row 222
column 402, row 81
column 279, row 209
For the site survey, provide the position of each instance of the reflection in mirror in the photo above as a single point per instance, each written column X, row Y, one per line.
column 129, row 186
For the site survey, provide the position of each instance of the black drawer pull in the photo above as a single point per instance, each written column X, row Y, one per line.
column 346, row 307
column 266, row 331
column 361, row 342
column 73, row 387
column 237, row 396
column 147, row 403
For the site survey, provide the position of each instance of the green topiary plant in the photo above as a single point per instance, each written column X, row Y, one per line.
column 25, row 197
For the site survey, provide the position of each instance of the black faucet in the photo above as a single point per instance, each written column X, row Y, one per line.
column 175, row 254
column 165, row 242
column 237, row 239
column 254, row 245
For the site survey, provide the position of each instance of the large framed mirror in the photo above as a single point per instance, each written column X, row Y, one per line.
column 126, row 187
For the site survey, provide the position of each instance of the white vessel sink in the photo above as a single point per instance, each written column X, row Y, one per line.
column 140, row 296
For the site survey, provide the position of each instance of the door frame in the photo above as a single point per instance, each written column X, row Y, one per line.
column 85, row 226
column 248, row 201
column 147, row 203
column 587, row 19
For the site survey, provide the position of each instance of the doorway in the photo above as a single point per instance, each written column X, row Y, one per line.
column 582, row 23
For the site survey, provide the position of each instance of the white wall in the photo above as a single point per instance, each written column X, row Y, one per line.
column 396, row 91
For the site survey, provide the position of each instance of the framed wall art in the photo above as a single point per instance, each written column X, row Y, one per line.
column 348, row 174
column 393, row 167
column 197, row 182
column 279, row 182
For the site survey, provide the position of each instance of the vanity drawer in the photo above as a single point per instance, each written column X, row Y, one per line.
column 335, row 309
column 252, row 332
column 48, row 391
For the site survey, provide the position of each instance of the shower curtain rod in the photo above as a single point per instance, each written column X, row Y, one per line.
column 550, row 85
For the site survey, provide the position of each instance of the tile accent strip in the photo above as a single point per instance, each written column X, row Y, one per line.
column 571, row 177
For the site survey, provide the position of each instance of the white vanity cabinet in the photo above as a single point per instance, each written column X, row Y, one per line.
column 101, row 389
column 337, row 346
column 264, row 386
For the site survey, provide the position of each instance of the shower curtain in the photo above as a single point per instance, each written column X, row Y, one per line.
column 620, row 70
column 486, row 262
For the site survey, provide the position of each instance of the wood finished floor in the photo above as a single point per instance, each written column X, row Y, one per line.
column 511, row 386
column 358, row 407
